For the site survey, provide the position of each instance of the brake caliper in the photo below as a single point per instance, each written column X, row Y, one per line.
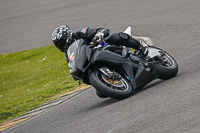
column 110, row 74
column 159, row 58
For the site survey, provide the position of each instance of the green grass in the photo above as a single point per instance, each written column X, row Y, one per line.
column 30, row 78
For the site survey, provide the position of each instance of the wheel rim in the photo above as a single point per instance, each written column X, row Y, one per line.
column 168, row 61
column 117, row 84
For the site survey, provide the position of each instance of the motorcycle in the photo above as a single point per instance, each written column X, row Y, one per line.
column 116, row 71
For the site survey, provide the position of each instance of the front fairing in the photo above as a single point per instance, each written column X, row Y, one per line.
column 79, row 57
column 71, row 56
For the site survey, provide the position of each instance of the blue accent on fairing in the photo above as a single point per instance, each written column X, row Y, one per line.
column 103, row 44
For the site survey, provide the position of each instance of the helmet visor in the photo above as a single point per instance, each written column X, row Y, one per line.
column 60, row 44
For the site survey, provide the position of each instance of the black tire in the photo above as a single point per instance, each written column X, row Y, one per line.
column 99, row 82
column 100, row 95
column 167, row 69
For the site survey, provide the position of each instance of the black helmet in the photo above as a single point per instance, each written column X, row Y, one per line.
column 62, row 37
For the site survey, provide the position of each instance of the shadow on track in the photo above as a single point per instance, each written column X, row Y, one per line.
column 154, row 83
column 103, row 104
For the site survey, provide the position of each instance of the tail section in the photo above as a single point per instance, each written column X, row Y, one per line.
column 146, row 40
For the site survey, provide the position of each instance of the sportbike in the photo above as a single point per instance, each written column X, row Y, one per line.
column 116, row 71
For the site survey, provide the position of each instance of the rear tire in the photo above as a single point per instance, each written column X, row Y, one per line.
column 120, row 90
column 167, row 69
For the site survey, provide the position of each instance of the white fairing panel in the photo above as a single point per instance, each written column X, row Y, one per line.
column 154, row 52
column 128, row 31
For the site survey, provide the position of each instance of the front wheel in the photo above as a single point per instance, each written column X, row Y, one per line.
column 117, row 89
column 100, row 95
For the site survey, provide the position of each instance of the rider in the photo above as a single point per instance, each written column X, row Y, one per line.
column 63, row 37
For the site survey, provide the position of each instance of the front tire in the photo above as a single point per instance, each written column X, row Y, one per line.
column 117, row 89
column 100, row 95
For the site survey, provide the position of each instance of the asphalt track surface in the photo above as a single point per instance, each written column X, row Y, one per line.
column 163, row 106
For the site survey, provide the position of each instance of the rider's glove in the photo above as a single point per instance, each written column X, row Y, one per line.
column 143, row 49
column 98, row 39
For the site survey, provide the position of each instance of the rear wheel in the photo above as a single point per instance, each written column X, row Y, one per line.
column 117, row 89
column 168, row 68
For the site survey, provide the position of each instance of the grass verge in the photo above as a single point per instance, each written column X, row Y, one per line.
column 30, row 78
